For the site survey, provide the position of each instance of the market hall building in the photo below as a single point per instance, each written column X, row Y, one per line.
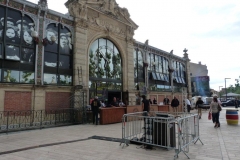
column 48, row 58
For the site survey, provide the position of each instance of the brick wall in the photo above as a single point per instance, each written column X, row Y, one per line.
column 17, row 101
column 57, row 100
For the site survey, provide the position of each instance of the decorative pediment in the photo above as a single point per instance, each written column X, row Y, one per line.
column 79, row 9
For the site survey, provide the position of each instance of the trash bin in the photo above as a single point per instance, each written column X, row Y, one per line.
column 164, row 130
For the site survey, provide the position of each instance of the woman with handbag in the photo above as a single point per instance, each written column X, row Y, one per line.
column 215, row 108
column 199, row 106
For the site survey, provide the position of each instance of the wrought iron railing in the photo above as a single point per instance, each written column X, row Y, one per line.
column 37, row 119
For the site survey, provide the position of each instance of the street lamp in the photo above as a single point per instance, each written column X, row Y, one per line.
column 226, row 88
column 219, row 92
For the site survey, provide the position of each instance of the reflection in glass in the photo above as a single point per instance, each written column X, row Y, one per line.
column 50, row 78
column 50, row 59
column 26, row 77
column 27, row 55
column 104, row 60
column 65, row 80
column 11, row 76
column 135, row 63
column 140, row 65
column 12, row 52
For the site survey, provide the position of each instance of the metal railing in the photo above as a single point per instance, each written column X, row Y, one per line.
column 162, row 129
column 37, row 119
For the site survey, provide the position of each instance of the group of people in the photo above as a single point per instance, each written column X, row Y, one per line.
column 96, row 104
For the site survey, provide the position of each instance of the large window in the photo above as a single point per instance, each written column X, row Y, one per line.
column 105, row 69
column 17, row 48
column 179, row 73
column 58, row 55
column 138, row 66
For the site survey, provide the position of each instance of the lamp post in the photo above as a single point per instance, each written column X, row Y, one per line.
column 226, row 88
column 219, row 92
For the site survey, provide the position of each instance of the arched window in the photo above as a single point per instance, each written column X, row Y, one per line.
column 17, row 48
column 105, row 69
column 58, row 51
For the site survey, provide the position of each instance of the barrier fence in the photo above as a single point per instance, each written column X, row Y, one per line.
column 162, row 129
column 33, row 119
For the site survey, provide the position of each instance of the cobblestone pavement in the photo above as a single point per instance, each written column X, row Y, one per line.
column 73, row 143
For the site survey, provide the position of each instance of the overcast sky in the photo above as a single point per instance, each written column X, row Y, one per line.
column 209, row 29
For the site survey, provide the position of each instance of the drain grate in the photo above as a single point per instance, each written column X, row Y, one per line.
column 106, row 138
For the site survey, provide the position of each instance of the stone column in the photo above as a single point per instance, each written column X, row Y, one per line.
column 188, row 77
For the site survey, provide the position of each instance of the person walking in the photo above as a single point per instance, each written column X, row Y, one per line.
column 215, row 112
column 175, row 104
column 145, row 105
column 154, row 101
column 199, row 105
column 95, row 107
column 236, row 103
column 187, row 102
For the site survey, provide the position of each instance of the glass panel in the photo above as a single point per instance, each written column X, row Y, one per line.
column 26, row 77
column 12, row 30
column 65, row 80
column 2, row 15
column 11, row 76
column 140, row 65
column 12, row 52
column 50, row 59
column 179, row 80
column 0, row 75
column 1, row 49
column 93, row 60
column 135, row 63
column 65, row 62
column 51, row 35
column 50, row 78
column 118, row 86
column 27, row 55
column 65, row 46
column 183, row 81
column 102, row 42
column 154, row 76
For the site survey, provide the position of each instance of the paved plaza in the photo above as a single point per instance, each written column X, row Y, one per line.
column 73, row 142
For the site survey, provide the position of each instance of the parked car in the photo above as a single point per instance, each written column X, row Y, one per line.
column 229, row 103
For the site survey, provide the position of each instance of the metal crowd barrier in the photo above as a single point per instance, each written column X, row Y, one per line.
column 36, row 119
column 161, row 129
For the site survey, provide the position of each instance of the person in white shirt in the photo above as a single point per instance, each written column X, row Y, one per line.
column 188, row 104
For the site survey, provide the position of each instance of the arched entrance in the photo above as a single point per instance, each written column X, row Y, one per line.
column 105, row 71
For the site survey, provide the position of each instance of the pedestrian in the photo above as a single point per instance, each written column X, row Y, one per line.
column 154, row 101
column 166, row 101
column 150, row 101
column 220, row 103
column 95, row 108
column 175, row 104
column 115, row 102
column 145, row 105
column 236, row 103
column 187, row 102
column 199, row 105
column 215, row 112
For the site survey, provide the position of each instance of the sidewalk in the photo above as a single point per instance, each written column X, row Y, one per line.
column 73, row 142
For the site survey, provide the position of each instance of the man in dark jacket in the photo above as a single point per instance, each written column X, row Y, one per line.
column 175, row 104
column 95, row 107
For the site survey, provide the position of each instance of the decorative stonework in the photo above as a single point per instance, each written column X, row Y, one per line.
column 67, row 22
column 52, row 17
column 31, row 10
column 15, row 5
column 109, row 27
column 81, row 23
column 3, row 2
